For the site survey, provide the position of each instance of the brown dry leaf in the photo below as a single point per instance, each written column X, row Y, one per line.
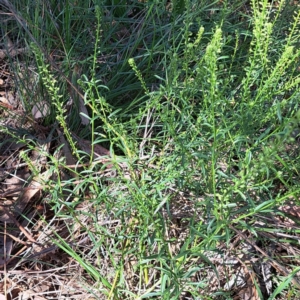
column 41, row 110
column 30, row 295
column 249, row 292
column 13, row 186
column 38, row 182
column 8, row 99
column 86, row 146
column 12, row 52
column 25, row 195
column 3, row 100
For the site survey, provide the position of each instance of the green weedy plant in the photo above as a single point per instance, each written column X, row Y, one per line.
column 245, row 122
column 50, row 83
column 199, row 110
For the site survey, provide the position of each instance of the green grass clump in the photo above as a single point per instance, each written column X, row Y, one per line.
column 200, row 102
